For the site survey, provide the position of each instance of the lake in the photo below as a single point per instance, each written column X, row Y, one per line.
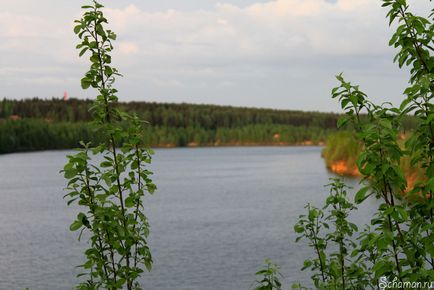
column 217, row 214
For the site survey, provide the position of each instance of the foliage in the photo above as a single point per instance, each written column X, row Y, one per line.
column 330, row 235
column 342, row 146
column 45, row 135
column 109, row 182
column 27, row 135
column 269, row 277
column 172, row 124
column 208, row 117
column 398, row 246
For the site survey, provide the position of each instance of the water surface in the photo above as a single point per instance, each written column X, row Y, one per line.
column 217, row 214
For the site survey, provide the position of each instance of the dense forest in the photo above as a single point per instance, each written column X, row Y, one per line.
column 41, row 124
column 38, row 124
column 164, row 114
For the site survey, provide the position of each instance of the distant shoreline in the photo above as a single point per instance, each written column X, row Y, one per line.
column 179, row 147
column 36, row 124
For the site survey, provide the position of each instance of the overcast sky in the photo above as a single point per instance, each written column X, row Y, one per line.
column 275, row 54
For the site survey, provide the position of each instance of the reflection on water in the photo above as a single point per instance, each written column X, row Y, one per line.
column 217, row 214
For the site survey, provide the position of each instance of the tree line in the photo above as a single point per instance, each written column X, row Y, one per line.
column 166, row 114
column 38, row 124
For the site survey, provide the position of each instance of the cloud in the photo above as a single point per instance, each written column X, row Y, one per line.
column 256, row 54
column 282, row 29
column 11, row 70
column 43, row 81
column 128, row 48
column 23, row 26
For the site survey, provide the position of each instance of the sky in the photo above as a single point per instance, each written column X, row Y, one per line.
column 279, row 54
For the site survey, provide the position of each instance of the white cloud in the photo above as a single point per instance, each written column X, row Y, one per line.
column 277, row 29
column 23, row 26
column 42, row 81
column 11, row 70
column 128, row 48
column 166, row 82
column 228, row 51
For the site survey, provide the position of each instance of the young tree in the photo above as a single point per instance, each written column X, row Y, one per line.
column 109, row 180
column 400, row 244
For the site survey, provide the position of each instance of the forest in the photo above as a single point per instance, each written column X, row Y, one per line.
column 41, row 124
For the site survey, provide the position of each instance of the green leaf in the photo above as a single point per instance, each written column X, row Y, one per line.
column 100, row 30
column 85, row 83
column 368, row 169
column 129, row 202
column 342, row 121
column 298, row 228
column 403, row 213
column 93, row 44
column 77, row 29
column 106, row 164
column 83, row 51
column 70, row 173
column 361, row 195
column 76, row 225
column 148, row 264
column 344, row 103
